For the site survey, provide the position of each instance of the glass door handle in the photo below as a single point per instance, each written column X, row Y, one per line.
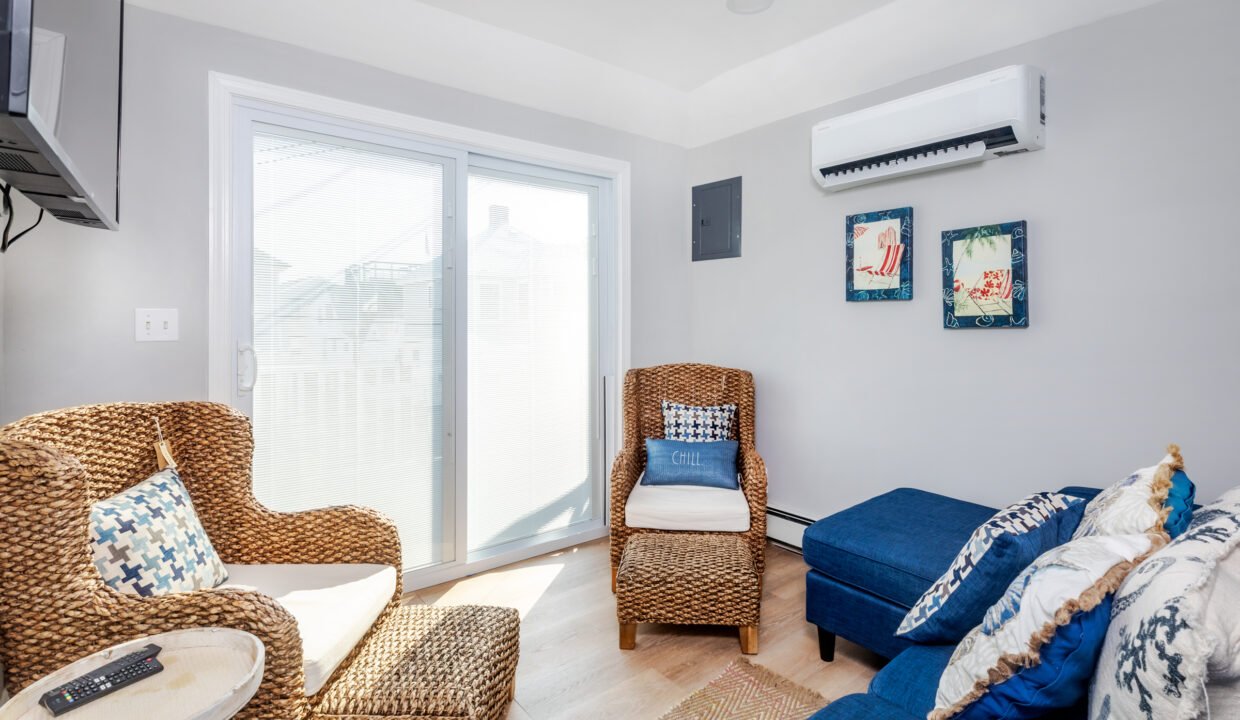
column 246, row 380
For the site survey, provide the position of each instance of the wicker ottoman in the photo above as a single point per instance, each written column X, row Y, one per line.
column 430, row 662
column 688, row 579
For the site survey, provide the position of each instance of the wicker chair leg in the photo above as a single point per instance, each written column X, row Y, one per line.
column 628, row 636
column 749, row 639
column 614, row 570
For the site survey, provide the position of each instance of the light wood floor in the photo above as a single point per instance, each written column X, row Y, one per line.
column 571, row 666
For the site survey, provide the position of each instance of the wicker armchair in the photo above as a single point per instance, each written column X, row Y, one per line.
column 55, row 607
column 693, row 384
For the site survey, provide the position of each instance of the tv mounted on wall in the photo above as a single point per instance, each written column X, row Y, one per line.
column 60, row 101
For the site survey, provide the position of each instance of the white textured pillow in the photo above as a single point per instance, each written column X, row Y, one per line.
column 1170, row 620
column 1132, row 505
column 1221, row 622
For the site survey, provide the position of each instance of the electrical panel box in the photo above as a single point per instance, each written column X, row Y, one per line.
column 717, row 220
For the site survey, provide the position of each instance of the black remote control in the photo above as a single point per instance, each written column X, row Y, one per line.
column 119, row 673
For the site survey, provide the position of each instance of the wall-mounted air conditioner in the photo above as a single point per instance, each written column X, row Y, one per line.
column 998, row 113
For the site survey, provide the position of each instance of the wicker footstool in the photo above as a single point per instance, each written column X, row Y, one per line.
column 687, row 579
column 430, row 662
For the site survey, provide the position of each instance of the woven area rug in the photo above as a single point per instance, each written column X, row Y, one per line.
column 748, row 692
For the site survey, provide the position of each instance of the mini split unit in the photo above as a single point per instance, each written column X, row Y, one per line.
column 991, row 115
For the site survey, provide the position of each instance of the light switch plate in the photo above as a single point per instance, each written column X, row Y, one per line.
column 156, row 325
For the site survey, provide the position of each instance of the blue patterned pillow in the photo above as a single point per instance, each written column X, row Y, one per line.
column 148, row 540
column 689, row 423
column 1037, row 648
column 996, row 553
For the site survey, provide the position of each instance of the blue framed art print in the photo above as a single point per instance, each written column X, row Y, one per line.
column 880, row 255
column 985, row 277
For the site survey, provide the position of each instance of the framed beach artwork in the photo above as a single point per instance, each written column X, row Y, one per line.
column 985, row 282
column 880, row 255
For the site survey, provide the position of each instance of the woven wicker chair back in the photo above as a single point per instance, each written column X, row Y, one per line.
column 115, row 442
column 645, row 390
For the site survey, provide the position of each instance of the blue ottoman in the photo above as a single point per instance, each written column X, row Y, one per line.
column 870, row 563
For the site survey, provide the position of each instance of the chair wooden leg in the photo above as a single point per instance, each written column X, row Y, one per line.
column 749, row 639
column 613, row 580
column 628, row 636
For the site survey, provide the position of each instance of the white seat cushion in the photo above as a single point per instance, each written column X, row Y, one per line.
column 686, row 507
column 334, row 606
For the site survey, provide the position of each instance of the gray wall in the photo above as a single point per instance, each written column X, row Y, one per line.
column 1133, row 253
column 70, row 293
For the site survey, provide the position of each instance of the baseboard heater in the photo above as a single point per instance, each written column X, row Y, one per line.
column 786, row 528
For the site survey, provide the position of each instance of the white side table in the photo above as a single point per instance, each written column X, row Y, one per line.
column 209, row 674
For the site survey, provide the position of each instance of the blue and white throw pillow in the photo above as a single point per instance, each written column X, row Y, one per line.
column 1159, row 657
column 148, row 540
column 1036, row 649
column 996, row 553
column 690, row 423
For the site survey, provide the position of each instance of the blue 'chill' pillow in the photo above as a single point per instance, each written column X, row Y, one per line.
column 995, row 554
column 705, row 464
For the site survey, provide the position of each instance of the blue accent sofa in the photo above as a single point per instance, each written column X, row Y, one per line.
column 869, row 564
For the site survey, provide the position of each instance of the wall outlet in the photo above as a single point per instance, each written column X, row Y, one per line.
column 156, row 325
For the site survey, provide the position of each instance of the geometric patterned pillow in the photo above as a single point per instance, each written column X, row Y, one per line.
column 689, row 423
column 995, row 553
column 148, row 540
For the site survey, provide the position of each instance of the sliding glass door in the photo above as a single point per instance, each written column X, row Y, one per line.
column 347, row 346
column 533, row 460
column 417, row 329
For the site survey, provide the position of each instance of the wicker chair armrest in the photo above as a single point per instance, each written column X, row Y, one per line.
column 282, row 692
column 753, row 474
column 753, row 482
column 340, row 534
column 625, row 471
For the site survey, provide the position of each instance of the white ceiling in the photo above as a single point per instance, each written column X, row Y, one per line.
column 682, row 43
column 682, row 71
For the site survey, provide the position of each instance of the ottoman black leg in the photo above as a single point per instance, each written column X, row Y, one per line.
column 826, row 645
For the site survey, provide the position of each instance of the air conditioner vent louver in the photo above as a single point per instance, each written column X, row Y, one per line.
column 992, row 139
column 70, row 214
column 15, row 163
column 991, row 115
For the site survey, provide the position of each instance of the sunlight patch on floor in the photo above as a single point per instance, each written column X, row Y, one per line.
column 520, row 588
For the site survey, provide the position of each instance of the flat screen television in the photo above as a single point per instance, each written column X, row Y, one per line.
column 60, row 102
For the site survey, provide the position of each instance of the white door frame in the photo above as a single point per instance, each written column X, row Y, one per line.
column 227, row 92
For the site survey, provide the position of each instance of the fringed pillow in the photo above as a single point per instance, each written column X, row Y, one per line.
column 1151, row 499
column 1174, row 626
column 996, row 552
column 1036, row 649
